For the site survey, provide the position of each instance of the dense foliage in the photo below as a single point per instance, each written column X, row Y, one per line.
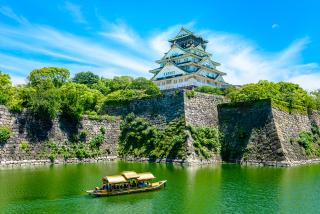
column 310, row 141
column 210, row 90
column 141, row 139
column 206, row 141
column 50, row 90
column 4, row 134
column 285, row 95
column 5, row 88
column 86, row 78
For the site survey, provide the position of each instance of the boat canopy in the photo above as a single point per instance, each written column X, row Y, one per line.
column 145, row 176
column 130, row 174
column 115, row 179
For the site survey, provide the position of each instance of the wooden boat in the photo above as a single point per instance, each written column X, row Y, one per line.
column 126, row 183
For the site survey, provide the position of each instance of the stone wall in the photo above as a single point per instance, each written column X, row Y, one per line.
column 249, row 132
column 201, row 109
column 35, row 133
column 288, row 126
column 158, row 110
column 260, row 134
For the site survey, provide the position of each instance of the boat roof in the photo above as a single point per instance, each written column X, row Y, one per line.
column 129, row 174
column 115, row 179
column 145, row 176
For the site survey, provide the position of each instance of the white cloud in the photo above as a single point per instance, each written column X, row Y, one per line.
column 120, row 32
column 275, row 26
column 244, row 62
column 75, row 11
column 7, row 11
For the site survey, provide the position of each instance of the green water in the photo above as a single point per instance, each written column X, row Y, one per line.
column 214, row 189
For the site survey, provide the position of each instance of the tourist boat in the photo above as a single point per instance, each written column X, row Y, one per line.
column 126, row 183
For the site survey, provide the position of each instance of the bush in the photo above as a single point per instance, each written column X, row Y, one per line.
column 24, row 145
column 4, row 134
column 102, row 130
column 209, row 90
column 97, row 141
column 190, row 93
column 141, row 139
column 310, row 141
column 206, row 141
column 306, row 141
column 52, row 157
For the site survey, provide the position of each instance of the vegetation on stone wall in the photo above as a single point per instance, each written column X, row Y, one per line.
column 310, row 141
column 190, row 93
column 24, row 145
column 210, row 90
column 5, row 133
column 288, row 96
column 206, row 141
column 285, row 96
column 139, row 138
column 80, row 149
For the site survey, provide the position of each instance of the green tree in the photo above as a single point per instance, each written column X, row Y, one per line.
column 145, row 85
column 291, row 94
column 58, row 76
column 78, row 98
column 5, row 88
column 87, row 78
column 316, row 98
column 101, row 86
column 43, row 100
column 118, row 83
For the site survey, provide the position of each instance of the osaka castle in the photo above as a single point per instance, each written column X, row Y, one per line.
column 187, row 64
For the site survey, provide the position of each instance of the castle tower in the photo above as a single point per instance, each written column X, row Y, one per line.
column 187, row 64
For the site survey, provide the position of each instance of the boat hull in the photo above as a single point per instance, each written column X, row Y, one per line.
column 103, row 193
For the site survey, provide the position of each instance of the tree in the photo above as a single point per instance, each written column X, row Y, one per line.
column 291, row 94
column 58, row 76
column 119, row 83
column 101, row 86
column 78, row 98
column 316, row 98
column 145, row 85
column 43, row 100
column 87, row 78
column 5, row 88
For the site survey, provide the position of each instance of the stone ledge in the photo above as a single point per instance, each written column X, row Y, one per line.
column 13, row 163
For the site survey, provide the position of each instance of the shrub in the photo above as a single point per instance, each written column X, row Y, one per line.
column 141, row 139
column 97, row 141
column 102, row 130
column 4, row 134
column 24, row 145
column 83, row 134
column 190, row 93
column 306, row 141
column 209, row 90
column 52, row 156
column 82, row 152
column 206, row 141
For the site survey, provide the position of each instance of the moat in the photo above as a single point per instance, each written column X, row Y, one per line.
column 225, row 188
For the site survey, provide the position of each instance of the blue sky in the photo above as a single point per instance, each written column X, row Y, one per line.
column 253, row 40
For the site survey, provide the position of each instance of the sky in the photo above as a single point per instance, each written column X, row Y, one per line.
column 253, row 40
